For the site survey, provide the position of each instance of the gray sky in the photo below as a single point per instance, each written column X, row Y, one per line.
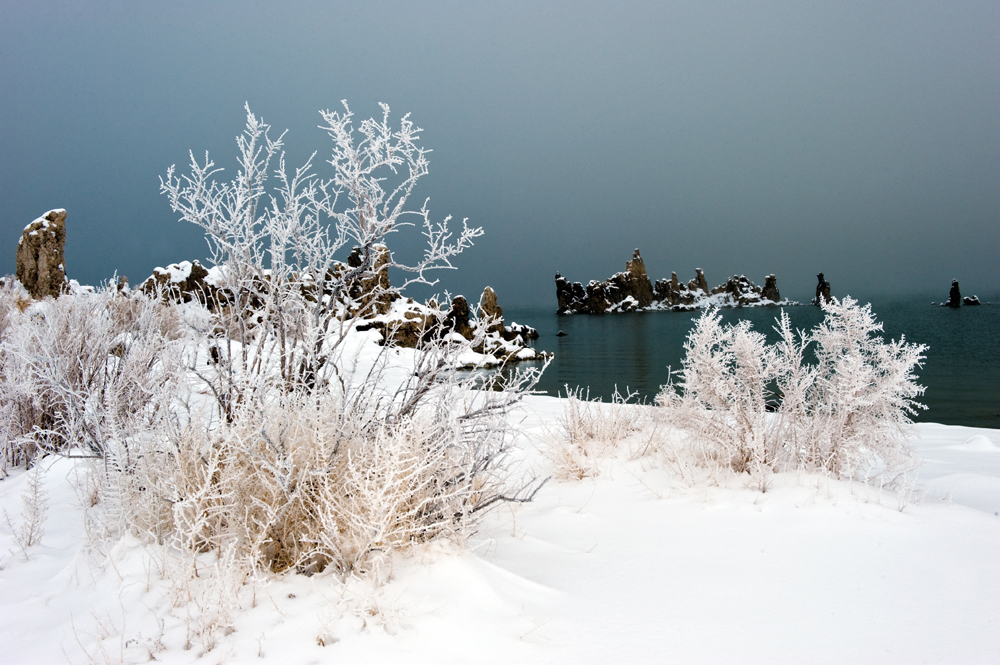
column 861, row 139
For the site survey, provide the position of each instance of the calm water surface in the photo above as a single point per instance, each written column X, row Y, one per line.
column 633, row 351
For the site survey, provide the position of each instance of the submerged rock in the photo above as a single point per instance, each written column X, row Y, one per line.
column 41, row 268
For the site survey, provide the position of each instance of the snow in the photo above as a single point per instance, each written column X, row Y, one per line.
column 216, row 277
column 646, row 562
column 177, row 272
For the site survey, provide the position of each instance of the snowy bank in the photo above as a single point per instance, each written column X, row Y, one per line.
column 646, row 561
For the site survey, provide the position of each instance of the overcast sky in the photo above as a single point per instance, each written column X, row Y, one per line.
column 860, row 139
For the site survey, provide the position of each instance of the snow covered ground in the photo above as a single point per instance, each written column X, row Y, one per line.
column 646, row 562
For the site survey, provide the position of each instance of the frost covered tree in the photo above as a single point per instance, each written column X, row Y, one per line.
column 324, row 452
column 284, row 303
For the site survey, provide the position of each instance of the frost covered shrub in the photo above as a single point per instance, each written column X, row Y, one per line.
column 726, row 376
column 862, row 394
column 91, row 370
column 757, row 407
column 299, row 443
column 310, row 482
column 590, row 429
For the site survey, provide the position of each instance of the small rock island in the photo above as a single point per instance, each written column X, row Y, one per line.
column 955, row 298
column 632, row 290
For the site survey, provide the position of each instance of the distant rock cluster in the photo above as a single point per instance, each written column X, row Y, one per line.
column 955, row 298
column 632, row 290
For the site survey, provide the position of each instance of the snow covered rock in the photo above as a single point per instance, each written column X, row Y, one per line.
column 183, row 282
column 373, row 292
column 770, row 290
column 41, row 267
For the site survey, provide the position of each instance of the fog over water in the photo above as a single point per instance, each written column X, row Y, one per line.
column 858, row 139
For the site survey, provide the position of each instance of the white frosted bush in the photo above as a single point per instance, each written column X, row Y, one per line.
column 590, row 430
column 91, row 371
column 298, row 450
column 863, row 393
column 759, row 407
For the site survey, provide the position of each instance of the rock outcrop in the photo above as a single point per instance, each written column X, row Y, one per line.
column 955, row 295
column 974, row 300
column 770, row 290
column 375, row 291
column 631, row 290
column 186, row 281
column 822, row 290
column 489, row 309
column 401, row 322
column 410, row 324
column 41, row 268
column 625, row 291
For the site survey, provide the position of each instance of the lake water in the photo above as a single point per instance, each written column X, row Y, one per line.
column 633, row 351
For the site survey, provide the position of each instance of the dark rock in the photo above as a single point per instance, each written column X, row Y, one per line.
column 770, row 290
column 41, row 268
column 955, row 295
column 702, row 283
column 623, row 291
column 635, row 281
column 822, row 290
column 517, row 331
column 570, row 295
column 184, row 282
column 631, row 290
column 974, row 300
column 371, row 291
column 561, row 334
column 596, row 301
column 457, row 318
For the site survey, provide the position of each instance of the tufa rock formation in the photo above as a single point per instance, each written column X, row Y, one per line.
column 488, row 308
column 955, row 295
column 955, row 298
column 770, row 290
column 373, row 291
column 623, row 292
column 631, row 290
column 183, row 282
column 410, row 324
column 370, row 296
column 41, row 268
column 822, row 290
